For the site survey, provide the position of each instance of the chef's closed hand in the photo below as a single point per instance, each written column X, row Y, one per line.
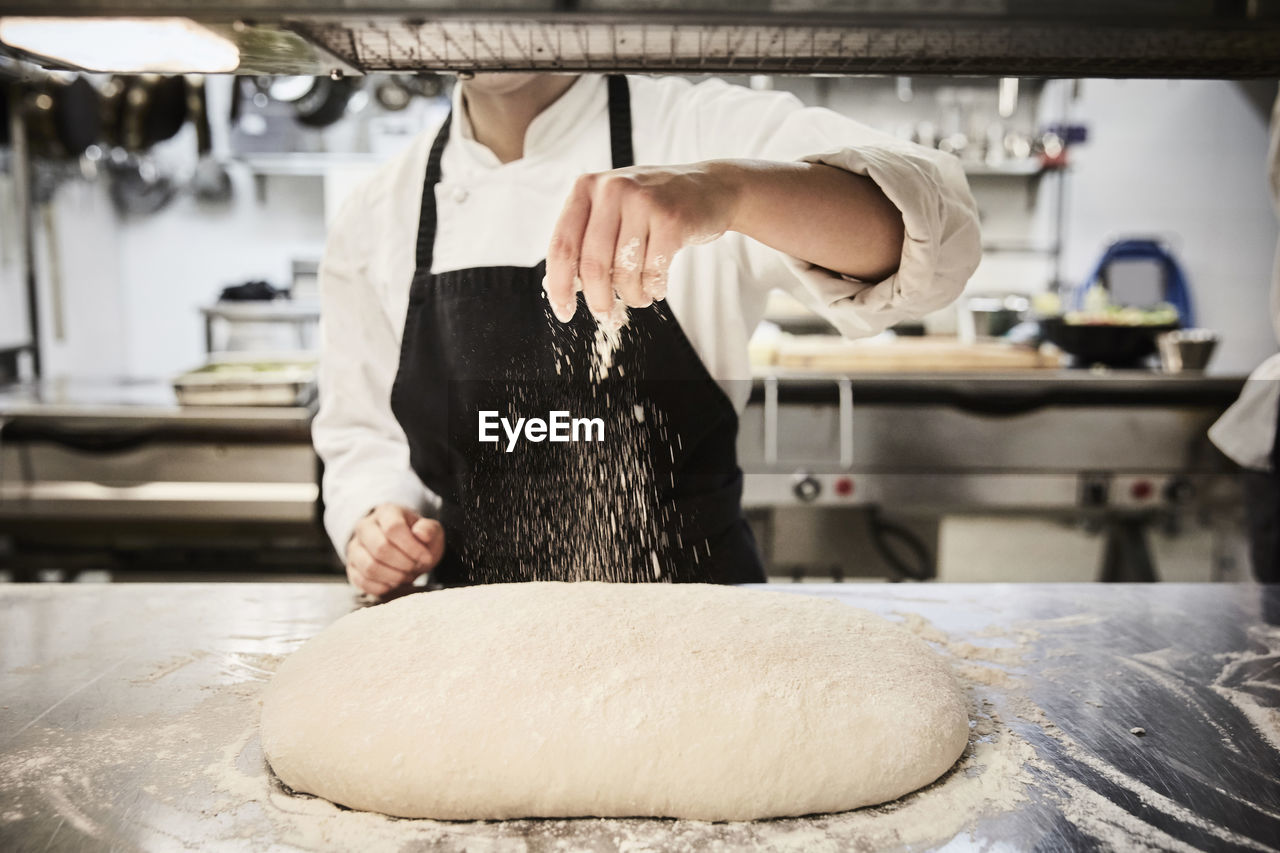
column 391, row 546
column 619, row 231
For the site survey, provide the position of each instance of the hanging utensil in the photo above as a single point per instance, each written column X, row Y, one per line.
column 287, row 89
column 326, row 102
column 4, row 115
column 317, row 101
column 166, row 111
column 393, row 94
column 425, row 84
column 210, row 183
column 63, row 117
column 53, row 256
column 137, row 188
column 77, row 116
column 147, row 110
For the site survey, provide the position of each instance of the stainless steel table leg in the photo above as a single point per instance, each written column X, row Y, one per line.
column 1126, row 557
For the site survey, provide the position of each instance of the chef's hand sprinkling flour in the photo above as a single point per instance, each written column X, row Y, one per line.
column 618, row 231
column 616, row 236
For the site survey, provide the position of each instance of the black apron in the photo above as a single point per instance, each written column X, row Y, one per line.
column 657, row 498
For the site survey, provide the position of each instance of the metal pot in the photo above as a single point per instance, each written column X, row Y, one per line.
column 317, row 101
column 1186, row 349
column 985, row 316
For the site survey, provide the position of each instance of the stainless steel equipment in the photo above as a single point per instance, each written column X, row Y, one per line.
column 1114, row 449
column 1125, row 38
column 280, row 322
column 107, row 475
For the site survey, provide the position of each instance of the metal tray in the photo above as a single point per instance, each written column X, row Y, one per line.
column 248, row 381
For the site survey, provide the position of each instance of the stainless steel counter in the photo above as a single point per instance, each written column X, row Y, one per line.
column 109, row 473
column 128, row 721
column 1122, row 448
column 138, row 407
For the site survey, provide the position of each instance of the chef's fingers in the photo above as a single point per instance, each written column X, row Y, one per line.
column 372, row 538
column 394, row 521
column 662, row 247
column 374, row 569
column 431, row 533
column 628, row 260
column 368, row 574
column 595, row 263
column 565, row 247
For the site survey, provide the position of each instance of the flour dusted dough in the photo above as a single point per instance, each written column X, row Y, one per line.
column 575, row 699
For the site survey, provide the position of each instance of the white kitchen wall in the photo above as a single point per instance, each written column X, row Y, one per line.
column 84, row 321
column 1179, row 159
column 133, row 286
column 1184, row 160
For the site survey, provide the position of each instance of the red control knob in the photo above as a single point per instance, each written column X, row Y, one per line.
column 1141, row 490
column 843, row 486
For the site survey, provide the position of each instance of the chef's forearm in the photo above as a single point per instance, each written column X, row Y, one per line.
column 829, row 217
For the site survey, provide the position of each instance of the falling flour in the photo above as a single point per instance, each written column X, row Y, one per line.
column 608, row 337
column 600, row 512
column 581, row 511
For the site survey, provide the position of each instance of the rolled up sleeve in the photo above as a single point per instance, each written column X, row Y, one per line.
column 941, row 245
column 364, row 450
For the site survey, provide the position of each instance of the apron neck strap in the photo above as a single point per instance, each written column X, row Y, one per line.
column 427, row 217
column 620, row 122
column 619, row 144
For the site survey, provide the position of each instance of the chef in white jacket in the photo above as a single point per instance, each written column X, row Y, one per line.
column 484, row 269
column 1247, row 432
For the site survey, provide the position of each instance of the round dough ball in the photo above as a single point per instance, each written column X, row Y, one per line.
column 578, row 699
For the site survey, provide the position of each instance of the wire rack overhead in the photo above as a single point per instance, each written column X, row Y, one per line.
column 388, row 44
column 1076, row 38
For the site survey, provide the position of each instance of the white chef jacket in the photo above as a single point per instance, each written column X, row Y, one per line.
column 1246, row 432
column 493, row 214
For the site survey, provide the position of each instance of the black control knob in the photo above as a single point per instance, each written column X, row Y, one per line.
column 1095, row 490
column 807, row 487
column 1179, row 491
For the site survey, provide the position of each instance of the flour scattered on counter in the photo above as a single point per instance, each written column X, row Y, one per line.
column 1103, row 820
column 1002, row 655
column 922, row 628
column 1149, row 797
column 992, row 776
column 1247, row 681
column 168, row 668
column 987, row 665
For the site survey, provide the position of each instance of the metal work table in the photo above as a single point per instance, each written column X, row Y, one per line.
column 114, row 473
column 124, row 410
column 1124, row 451
column 1006, row 392
column 128, row 719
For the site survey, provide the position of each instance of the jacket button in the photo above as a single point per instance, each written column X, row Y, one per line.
column 459, row 195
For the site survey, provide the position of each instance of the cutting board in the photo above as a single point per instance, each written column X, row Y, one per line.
column 928, row 354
